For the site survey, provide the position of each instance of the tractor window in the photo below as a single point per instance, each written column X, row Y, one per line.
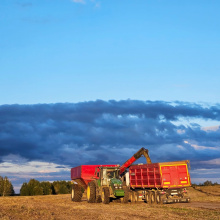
column 110, row 174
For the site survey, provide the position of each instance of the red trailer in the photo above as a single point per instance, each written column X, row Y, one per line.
column 86, row 173
column 160, row 175
column 160, row 182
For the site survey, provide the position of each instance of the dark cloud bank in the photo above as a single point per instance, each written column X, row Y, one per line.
column 102, row 132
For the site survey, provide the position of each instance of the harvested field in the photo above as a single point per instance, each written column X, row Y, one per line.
column 203, row 206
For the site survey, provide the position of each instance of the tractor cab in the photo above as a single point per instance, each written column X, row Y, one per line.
column 107, row 174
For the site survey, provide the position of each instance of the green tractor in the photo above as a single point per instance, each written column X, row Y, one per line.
column 107, row 187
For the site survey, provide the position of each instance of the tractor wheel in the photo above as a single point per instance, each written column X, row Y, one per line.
column 98, row 199
column 153, row 197
column 91, row 192
column 126, row 196
column 76, row 193
column 105, row 195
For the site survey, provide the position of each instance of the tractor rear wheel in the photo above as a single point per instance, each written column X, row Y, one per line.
column 91, row 192
column 105, row 195
column 76, row 193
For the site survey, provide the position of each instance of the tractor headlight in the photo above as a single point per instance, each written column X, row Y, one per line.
column 115, row 185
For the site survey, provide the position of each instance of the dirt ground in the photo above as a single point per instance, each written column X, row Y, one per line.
column 205, row 204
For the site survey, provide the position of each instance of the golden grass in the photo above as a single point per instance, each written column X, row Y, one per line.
column 205, row 193
column 61, row 207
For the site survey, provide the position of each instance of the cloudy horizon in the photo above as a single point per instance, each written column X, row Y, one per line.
column 44, row 141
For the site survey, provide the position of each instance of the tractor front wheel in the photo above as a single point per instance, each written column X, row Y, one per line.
column 91, row 192
column 126, row 195
column 105, row 195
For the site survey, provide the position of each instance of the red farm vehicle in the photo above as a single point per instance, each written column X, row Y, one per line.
column 152, row 182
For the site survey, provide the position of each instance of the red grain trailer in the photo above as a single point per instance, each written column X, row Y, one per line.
column 160, row 182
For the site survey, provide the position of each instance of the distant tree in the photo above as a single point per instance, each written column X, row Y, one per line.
column 47, row 188
column 35, row 188
column 56, row 187
column 6, row 187
column 61, row 187
column 32, row 188
column 1, row 185
column 24, row 191
column 207, row 183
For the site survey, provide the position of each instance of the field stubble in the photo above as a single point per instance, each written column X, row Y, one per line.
column 205, row 205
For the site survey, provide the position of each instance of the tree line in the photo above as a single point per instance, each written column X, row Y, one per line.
column 34, row 187
column 206, row 183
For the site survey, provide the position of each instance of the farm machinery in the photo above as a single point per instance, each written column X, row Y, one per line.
column 151, row 182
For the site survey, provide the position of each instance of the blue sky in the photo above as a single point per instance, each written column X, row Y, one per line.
column 74, row 52
column 63, row 51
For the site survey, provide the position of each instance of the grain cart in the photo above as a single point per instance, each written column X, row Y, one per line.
column 83, row 175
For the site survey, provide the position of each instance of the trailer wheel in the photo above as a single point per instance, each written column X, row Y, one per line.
column 137, row 196
column 147, row 197
column 105, row 195
column 91, row 192
column 126, row 196
column 133, row 197
column 159, row 198
column 76, row 193
column 153, row 197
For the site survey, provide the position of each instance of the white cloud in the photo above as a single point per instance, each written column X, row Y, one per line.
column 181, row 131
column 212, row 162
column 12, row 166
column 181, row 147
column 210, row 128
column 94, row 2
column 199, row 147
column 79, row 1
